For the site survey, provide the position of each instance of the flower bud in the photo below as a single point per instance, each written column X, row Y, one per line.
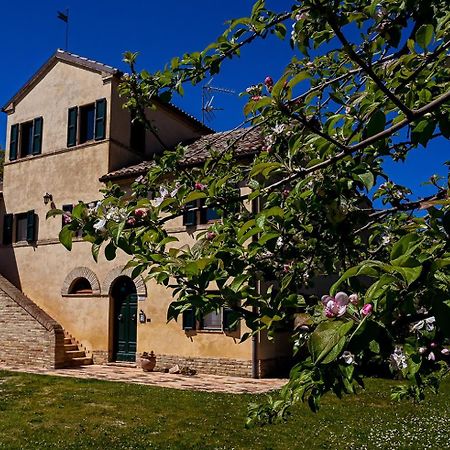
column 353, row 299
column 140, row 212
column 268, row 81
column 131, row 222
column 366, row 309
column 210, row 235
column 433, row 345
column 445, row 351
column 422, row 350
column 199, row 186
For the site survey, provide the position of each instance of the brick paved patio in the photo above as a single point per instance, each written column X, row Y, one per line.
column 200, row 382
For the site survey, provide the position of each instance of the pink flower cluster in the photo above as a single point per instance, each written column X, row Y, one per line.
column 337, row 306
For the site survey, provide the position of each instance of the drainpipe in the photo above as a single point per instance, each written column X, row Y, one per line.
column 255, row 337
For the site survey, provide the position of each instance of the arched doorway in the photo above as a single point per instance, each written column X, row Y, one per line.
column 124, row 298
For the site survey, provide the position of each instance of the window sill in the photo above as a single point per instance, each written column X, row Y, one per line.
column 212, row 331
column 23, row 244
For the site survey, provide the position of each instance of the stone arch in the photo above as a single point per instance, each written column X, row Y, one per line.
column 112, row 275
column 81, row 272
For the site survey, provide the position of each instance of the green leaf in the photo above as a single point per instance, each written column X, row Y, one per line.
column 53, row 213
column 374, row 347
column 194, row 195
column 65, row 237
column 424, row 35
column 367, row 179
column 110, row 251
column 376, row 123
column 328, row 340
column 405, row 246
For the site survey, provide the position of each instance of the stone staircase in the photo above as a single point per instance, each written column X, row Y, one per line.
column 74, row 353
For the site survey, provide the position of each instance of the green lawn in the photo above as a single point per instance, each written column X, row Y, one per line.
column 42, row 412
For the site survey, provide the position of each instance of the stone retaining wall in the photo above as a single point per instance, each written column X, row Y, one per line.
column 28, row 336
column 214, row 366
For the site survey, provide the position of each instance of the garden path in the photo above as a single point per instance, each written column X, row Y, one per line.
column 200, row 382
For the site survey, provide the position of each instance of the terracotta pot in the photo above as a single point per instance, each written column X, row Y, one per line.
column 148, row 362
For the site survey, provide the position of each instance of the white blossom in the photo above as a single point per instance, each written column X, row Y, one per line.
column 398, row 359
column 100, row 225
column 348, row 357
column 428, row 324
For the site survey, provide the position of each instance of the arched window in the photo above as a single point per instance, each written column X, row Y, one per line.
column 80, row 286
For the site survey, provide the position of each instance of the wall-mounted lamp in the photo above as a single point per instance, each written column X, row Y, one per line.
column 47, row 198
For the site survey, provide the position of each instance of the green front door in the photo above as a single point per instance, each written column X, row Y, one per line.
column 125, row 315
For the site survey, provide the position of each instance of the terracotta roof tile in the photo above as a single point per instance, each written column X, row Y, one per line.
column 245, row 141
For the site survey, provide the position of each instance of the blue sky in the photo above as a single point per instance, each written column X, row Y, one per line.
column 103, row 30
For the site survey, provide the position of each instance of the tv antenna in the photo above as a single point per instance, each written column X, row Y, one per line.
column 207, row 100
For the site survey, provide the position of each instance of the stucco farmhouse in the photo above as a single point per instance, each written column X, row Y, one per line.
column 67, row 134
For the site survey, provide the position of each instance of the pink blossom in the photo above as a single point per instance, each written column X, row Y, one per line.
column 335, row 306
column 131, row 222
column 422, row 350
column 445, row 351
column 199, row 186
column 431, row 357
column 210, row 235
column 141, row 212
column 285, row 193
column 433, row 345
column 353, row 299
column 366, row 309
column 256, row 98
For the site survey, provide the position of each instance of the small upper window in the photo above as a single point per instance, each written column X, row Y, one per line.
column 25, row 139
column 202, row 215
column 87, row 123
column 80, row 286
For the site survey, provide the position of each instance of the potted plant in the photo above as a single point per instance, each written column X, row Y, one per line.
column 148, row 361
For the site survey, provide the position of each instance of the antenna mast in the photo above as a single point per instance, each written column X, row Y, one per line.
column 207, row 100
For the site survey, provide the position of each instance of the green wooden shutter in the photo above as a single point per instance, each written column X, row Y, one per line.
column 31, row 226
column 72, row 126
column 100, row 119
column 13, row 141
column 190, row 217
column 229, row 321
column 37, row 135
column 8, row 221
column 189, row 321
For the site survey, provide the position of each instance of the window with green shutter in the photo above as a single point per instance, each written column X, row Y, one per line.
column 37, row 135
column 189, row 321
column 190, row 217
column 8, row 221
column 31, row 226
column 100, row 119
column 13, row 142
column 72, row 126
column 230, row 320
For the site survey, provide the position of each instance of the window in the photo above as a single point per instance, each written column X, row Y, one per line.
column 224, row 319
column 19, row 227
column 199, row 216
column 80, row 286
column 212, row 321
column 86, row 123
column 25, row 139
column 137, row 136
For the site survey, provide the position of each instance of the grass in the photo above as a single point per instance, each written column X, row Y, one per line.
column 43, row 412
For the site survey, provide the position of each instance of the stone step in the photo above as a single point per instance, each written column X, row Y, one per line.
column 72, row 354
column 75, row 362
column 67, row 340
column 69, row 347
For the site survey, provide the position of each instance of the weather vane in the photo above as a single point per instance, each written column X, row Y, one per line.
column 207, row 100
column 64, row 16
